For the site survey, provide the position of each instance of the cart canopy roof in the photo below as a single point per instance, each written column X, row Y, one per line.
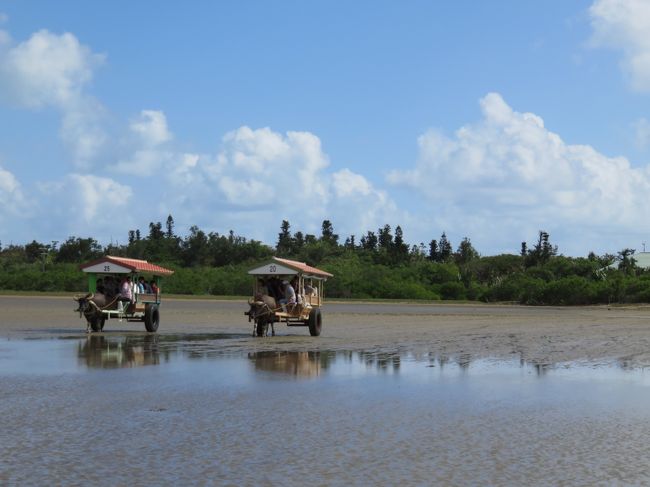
column 280, row 267
column 123, row 265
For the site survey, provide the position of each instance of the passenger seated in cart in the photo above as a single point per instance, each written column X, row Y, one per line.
column 154, row 287
column 298, row 292
column 289, row 295
column 143, row 286
column 309, row 290
column 126, row 292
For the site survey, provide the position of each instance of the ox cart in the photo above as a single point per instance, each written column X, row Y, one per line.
column 105, row 301
column 270, row 293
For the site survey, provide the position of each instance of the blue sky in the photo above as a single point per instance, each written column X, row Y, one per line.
column 490, row 120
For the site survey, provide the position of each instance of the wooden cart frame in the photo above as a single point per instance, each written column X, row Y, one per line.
column 144, row 308
column 309, row 283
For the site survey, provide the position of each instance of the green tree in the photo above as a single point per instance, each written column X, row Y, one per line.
column 434, row 251
column 79, row 250
column 385, row 238
column 466, row 252
column 169, row 225
column 328, row 236
column 399, row 249
column 33, row 251
column 196, row 251
column 542, row 251
column 283, row 246
column 369, row 242
column 445, row 248
column 627, row 262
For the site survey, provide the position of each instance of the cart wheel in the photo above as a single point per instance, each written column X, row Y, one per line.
column 315, row 322
column 151, row 317
column 96, row 324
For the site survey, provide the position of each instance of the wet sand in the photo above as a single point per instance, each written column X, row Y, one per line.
column 542, row 335
column 390, row 394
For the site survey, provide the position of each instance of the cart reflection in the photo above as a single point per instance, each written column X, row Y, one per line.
column 298, row 364
column 99, row 351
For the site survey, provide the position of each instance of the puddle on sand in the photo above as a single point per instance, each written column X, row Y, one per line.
column 162, row 409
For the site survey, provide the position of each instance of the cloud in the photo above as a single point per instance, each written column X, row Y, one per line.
column 346, row 183
column 47, row 69
column 261, row 177
column 509, row 173
column 148, row 133
column 50, row 70
column 151, row 127
column 84, row 205
column 624, row 24
column 98, row 197
column 287, row 166
column 12, row 198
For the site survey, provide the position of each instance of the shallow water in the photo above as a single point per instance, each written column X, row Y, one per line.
column 174, row 409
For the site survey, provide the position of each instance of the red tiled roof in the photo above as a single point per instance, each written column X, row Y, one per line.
column 301, row 266
column 136, row 265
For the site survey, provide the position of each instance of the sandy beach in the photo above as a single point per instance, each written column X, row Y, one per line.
column 543, row 335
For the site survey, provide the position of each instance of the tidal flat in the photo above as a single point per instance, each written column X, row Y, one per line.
column 390, row 393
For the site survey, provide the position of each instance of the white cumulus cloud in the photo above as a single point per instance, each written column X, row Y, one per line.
column 47, row 69
column 50, row 70
column 151, row 127
column 84, row 205
column 12, row 198
column 509, row 175
column 261, row 177
column 624, row 25
column 149, row 133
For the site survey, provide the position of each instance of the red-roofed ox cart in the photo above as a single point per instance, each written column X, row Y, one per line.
column 123, row 289
column 287, row 290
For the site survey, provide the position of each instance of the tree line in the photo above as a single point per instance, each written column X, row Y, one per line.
column 379, row 264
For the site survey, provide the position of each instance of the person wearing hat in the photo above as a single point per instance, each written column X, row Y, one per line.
column 289, row 295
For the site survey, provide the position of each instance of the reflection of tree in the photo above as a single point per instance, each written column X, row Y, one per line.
column 442, row 361
column 626, row 363
column 115, row 352
column 299, row 364
column 384, row 361
column 464, row 360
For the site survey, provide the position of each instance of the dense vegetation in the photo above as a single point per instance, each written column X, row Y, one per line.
column 379, row 265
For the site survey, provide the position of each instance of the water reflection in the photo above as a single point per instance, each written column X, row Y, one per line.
column 106, row 351
column 298, row 364
column 382, row 361
column 110, row 351
column 119, row 351
column 115, row 352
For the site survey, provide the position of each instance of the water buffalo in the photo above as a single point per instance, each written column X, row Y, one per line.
column 261, row 311
column 90, row 306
